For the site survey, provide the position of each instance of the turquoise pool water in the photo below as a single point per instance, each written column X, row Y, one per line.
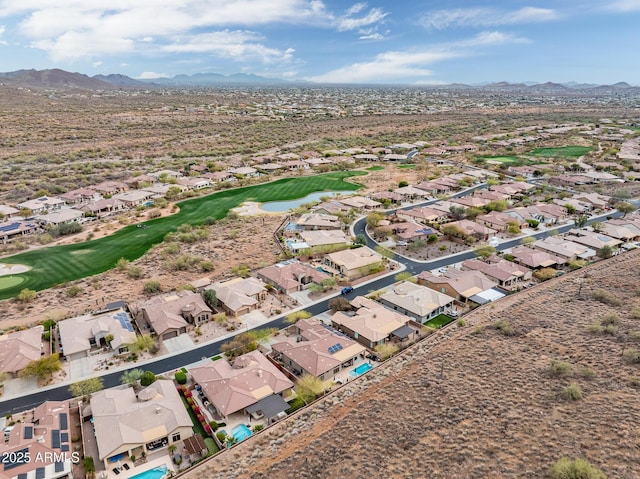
column 282, row 206
column 155, row 473
column 241, row 432
column 363, row 368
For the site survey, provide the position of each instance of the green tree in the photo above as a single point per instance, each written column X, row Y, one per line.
column 606, row 252
column 308, row 388
column 570, row 209
column 173, row 193
column 484, row 251
column 240, row 344
column 373, row 219
column 496, row 205
column 457, row 212
column 181, row 377
column 403, row 276
column 293, row 318
column 513, row 227
column 453, row 231
column 142, row 343
column 403, row 183
column 86, row 387
column 339, row 304
column 131, row 377
column 43, row 367
column 527, row 241
column 361, row 239
column 147, row 378
column 209, row 296
column 384, row 252
column 597, row 225
column 625, row 208
column 581, row 221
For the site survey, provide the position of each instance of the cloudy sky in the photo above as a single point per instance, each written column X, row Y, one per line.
column 331, row 41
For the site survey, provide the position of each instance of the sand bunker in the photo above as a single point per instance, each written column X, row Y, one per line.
column 7, row 269
column 249, row 208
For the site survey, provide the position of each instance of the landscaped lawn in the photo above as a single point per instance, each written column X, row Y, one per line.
column 410, row 165
column 562, row 152
column 295, row 404
column 59, row 264
column 375, row 168
column 503, row 159
column 439, row 321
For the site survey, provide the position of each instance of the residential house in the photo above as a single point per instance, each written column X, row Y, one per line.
column 42, row 205
column 244, row 171
column 294, row 165
column 366, row 157
column 515, row 188
column 598, row 201
column 140, row 181
column 579, row 207
column 239, row 296
column 129, row 424
column 134, row 198
column 394, row 157
column 464, row 286
column 79, row 196
column 354, row 263
column 66, row 215
column 171, row 315
column 508, row 275
column 434, row 188
column 324, row 237
column 423, row 214
column 270, row 168
column 104, row 207
column 316, row 350
column 12, row 229
column 331, row 207
column 291, row 275
column 411, row 193
column 631, row 222
column 7, row 211
column 499, row 221
column 619, row 231
column 220, row 176
column 40, row 446
column 471, row 201
column 314, row 162
column 471, row 228
column 166, row 174
column 535, row 258
column 592, row 239
column 251, row 385
column 418, row 302
column 371, row 324
column 410, row 231
column 110, row 188
column 360, row 203
column 195, row 182
column 80, row 335
column 19, row 348
column 564, row 248
column 391, row 196
column 319, row 221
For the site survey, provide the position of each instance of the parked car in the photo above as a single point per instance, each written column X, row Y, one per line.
column 346, row 290
column 444, row 269
column 401, row 243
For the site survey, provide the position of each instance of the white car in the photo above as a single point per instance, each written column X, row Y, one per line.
column 401, row 243
column 444, row 269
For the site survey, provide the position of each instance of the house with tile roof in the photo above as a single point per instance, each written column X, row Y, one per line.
column 464, row 286
column 415, row 301
column 354, row 263
column 291, row 275
column 19, row 348
column 239, row 296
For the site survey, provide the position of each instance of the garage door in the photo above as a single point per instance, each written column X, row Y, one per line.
column 170, row 335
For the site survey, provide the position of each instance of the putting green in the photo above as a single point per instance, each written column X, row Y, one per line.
column 60, row 264
column 562, row 152
column 502, row 159
column 10, row 281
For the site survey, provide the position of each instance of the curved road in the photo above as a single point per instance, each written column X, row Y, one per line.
column 164, row 364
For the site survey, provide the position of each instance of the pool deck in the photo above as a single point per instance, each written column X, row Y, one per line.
column 135, row 470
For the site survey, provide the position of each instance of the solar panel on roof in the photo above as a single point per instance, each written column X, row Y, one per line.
column 335, row 348
column 40, row 473
column 55, row 439
column 64, row 425
column 23, row 475
column 28, row 432
column 64, row 437
column 59, row 466
column 64, row 448
column 16, row 458
column 9, row 227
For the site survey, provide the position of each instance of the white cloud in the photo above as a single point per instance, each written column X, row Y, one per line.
column 371, row 36
column 348, row 22
column 485, row 17
column 625, row 6
column 96, row 64
column 356, row 8
column 2, row 29
column 152, row 75
column 237, row 45
column 71, row 29
column 401, row 66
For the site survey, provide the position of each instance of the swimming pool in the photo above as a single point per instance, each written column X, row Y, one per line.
column 155, row 473
column 241, row 432
column 363, row 368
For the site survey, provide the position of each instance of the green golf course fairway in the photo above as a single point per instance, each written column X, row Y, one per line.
column 562, row 151
column 59, row 264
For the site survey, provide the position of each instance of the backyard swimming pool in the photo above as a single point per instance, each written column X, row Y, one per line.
column 241, row 432
column 155, row 473
column 282, row 206
column 363, row 368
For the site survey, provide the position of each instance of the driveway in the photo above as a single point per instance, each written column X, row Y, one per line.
column 80, row 368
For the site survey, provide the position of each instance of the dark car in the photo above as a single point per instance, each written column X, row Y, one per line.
column 346, row 290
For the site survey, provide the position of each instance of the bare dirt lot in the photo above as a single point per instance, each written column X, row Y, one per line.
column 473, row 402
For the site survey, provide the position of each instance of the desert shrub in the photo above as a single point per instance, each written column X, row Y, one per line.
column 635, row 313
column 258, row 427
column 610, row 330
column 634, row 382
column 545, row 274
column 578, row 468
column 595, row 328
column 609, row 319
column 181, row 377
column 154, row 214
column 631, row 355
column 152, row 287
column 461, row 323
column 65, row 229
column 585, row 372
column 134, row 272
column 74, row 291
column 122, row 264
column 26, row 295
column 572, row 392
column 605, row 297
column 560, row 368
column 147, row 378
column 478, row 329
column 504, row 326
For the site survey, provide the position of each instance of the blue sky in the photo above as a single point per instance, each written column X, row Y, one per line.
column 331, row 41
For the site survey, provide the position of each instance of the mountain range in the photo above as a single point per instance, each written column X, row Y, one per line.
column 61, row 79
